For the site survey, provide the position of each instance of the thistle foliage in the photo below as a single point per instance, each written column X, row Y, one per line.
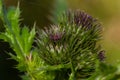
column 21, row 41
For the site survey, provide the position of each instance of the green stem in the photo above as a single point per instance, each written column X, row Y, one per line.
column 54, row 67
column 72, row 77
column 29, row 70
column 31, row 75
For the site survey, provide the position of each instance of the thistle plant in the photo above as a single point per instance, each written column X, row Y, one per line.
column 68, row 50
column 72, row 43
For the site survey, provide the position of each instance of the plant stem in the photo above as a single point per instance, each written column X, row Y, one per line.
column 52, row 68
column 73, row 71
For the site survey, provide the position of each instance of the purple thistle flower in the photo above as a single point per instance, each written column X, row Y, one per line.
column 101, row 55
column 81, row 18
column 55, row 37
column 55, row 33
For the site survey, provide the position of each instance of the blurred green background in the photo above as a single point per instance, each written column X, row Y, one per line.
column 107, row 11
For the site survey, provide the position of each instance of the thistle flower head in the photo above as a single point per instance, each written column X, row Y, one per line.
column 80, row 18
column 101, row 55
column 55, row 37
column 74, row 38
column 55, row 34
